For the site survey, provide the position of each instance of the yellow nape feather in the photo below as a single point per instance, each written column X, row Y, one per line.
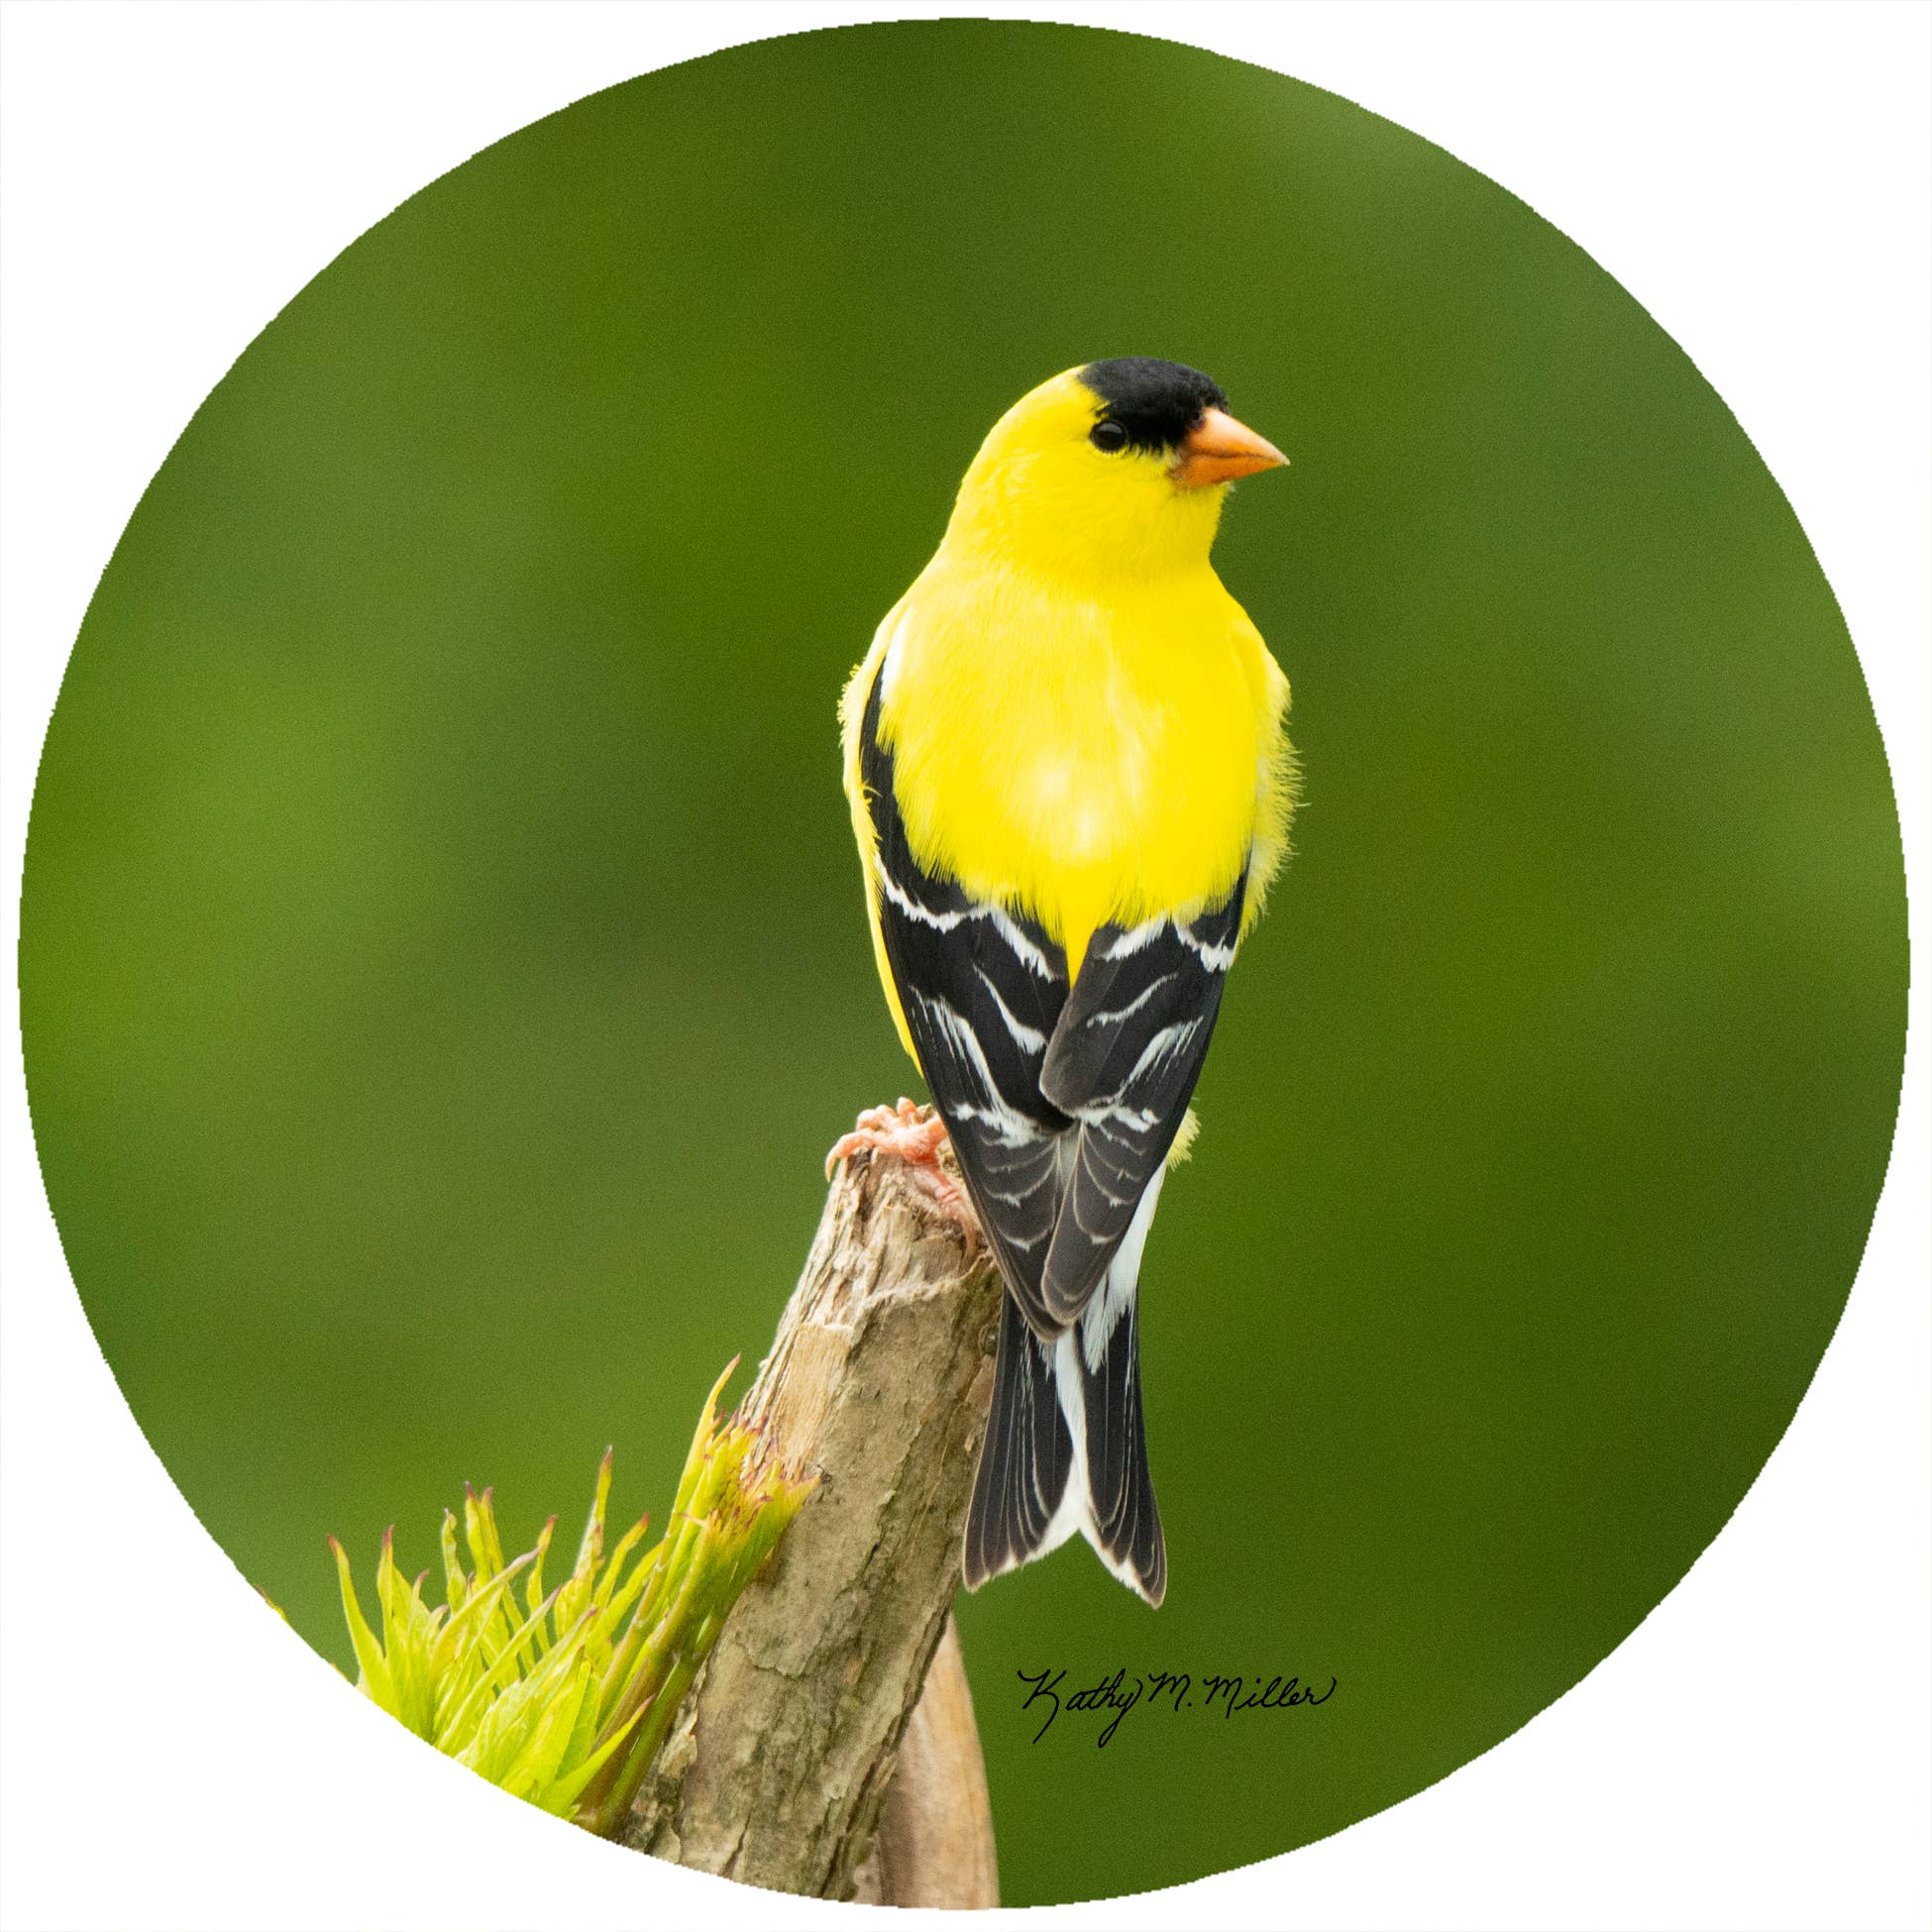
column 1084, row 725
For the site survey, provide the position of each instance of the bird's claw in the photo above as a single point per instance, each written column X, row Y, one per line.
column 914, row 1135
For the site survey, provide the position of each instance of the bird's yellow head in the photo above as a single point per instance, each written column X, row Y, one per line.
column 1114, row 468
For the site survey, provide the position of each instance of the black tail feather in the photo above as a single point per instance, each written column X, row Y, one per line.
column 1119, row 1488
column 1027, row 1460
column 1027, row 1457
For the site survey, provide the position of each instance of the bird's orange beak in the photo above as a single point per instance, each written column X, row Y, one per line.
column 1218, row 448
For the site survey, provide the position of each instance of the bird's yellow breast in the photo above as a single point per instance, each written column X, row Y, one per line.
column 1082, row 753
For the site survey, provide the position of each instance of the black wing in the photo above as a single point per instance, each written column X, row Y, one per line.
column 982, row 991
column 1122, row 1063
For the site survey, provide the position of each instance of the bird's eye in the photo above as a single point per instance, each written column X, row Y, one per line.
column 1110, row 438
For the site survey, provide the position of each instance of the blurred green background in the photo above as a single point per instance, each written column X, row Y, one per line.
column 444, row 958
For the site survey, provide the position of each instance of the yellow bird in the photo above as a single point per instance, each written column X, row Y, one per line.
column 1070, row 788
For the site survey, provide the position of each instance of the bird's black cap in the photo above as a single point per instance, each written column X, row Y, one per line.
column 1156, row 402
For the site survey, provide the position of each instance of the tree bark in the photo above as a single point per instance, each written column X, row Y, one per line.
column 934, row 1844
column 805, row 1758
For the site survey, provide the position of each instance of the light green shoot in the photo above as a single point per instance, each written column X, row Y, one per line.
column 562, row 1699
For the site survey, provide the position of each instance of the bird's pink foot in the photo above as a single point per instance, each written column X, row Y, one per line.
column 915, row 1135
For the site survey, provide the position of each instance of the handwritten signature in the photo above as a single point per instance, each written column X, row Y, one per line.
column 1119, row 1693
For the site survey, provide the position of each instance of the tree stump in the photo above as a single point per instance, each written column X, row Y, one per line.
column 806, row 1757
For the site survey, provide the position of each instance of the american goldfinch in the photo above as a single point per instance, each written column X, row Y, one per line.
column 1070, row 789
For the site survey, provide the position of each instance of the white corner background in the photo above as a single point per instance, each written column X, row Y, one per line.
column 1756, row 1755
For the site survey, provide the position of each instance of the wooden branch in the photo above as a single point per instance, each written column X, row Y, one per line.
column 780, row 1768
column 934, row 1844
